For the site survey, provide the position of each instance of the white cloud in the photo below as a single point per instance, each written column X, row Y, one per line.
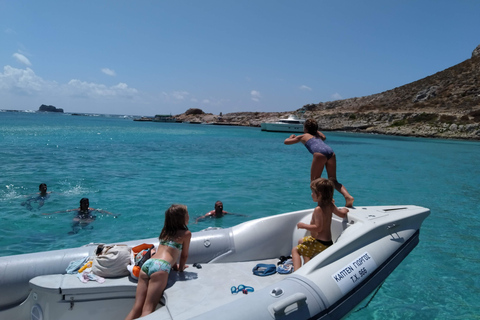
column 109, row 72
column 206, row 101
column 26, row 82
column 305, row 88
column 336, row 96
column 23, row 88
column 255, row 95
column 176, row 96
column 22, row 81
column 180, row 95
column 89, row 89
column 22, row 59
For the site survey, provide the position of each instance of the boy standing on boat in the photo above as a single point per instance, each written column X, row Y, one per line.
column 319, row 227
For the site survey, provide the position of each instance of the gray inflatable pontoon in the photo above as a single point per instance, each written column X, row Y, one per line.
column 368, row 246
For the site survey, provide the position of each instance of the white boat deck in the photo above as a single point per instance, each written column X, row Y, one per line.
column 212, row 284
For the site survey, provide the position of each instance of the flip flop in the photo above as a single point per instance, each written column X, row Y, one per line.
column 263, row 269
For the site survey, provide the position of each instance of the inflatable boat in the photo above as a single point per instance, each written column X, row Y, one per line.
column 368, row 245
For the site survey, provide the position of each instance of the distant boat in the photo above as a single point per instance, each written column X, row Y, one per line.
column 291, row 124
column 143, row 119
column 164, row 118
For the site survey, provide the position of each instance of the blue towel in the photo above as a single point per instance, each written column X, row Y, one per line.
column 75, row 265
column 285, row 267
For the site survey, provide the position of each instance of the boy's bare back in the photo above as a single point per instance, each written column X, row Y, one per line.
column 322, row 219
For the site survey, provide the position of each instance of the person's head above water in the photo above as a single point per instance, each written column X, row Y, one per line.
column 219, row 207
column 310, row 126
column 84, row 204
column 42, row 188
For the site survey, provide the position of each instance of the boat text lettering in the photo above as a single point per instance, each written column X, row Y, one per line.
column 342, row 274
column 355, row 272
column 361, row 260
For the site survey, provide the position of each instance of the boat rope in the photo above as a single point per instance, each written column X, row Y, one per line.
column 373, row 296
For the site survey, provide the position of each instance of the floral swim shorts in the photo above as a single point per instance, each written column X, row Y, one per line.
column 310, row 246
column 153, row 265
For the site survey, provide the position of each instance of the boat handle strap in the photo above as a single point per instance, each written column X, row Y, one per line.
column 279, row 307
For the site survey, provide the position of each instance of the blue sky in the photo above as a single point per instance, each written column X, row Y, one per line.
column 160, row 57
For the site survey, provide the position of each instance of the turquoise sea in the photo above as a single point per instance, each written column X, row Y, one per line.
column 137, row 169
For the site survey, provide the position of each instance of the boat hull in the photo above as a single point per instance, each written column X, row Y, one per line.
column 281, row 127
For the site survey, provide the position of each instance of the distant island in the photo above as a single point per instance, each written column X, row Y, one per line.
column 45, row 108
column 443, row 105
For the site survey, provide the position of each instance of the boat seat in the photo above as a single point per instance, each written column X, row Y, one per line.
column 64, row 296
column 69, row 284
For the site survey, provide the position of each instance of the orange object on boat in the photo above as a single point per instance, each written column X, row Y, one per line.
column 136, row 271
column 141, row 247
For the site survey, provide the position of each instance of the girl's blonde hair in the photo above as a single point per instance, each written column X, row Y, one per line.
column 323, row 188
column 174, row 221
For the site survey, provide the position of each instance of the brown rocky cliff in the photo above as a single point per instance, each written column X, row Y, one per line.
column 443, row 105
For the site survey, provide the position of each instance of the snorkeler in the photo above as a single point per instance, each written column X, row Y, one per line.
column 40, row 197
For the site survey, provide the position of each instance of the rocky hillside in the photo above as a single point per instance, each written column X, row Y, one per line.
column 443, row 105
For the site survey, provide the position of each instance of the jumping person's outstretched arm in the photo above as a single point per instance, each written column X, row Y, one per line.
column 293, row 139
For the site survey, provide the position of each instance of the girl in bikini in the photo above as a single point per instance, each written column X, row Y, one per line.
column 323, row 156
column 174, row 242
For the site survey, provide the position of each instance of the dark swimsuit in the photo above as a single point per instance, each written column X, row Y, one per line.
column 325, row 243
column 85, row 215
column 316, row 145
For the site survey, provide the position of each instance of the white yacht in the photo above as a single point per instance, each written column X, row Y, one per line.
column 291, row 124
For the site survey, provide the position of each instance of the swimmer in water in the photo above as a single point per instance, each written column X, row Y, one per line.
column 39, row 198
column 84, row 216
column 218, row 212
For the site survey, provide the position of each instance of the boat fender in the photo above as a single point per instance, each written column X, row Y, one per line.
column 263, row 269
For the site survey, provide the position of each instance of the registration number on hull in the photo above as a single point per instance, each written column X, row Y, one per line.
column 355, row 272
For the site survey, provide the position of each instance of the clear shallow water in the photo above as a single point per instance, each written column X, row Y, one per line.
column 137, row 169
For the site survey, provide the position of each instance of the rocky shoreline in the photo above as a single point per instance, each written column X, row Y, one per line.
column 443, row 105
column 398, row 124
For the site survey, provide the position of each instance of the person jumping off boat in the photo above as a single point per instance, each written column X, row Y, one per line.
column 323, row 156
